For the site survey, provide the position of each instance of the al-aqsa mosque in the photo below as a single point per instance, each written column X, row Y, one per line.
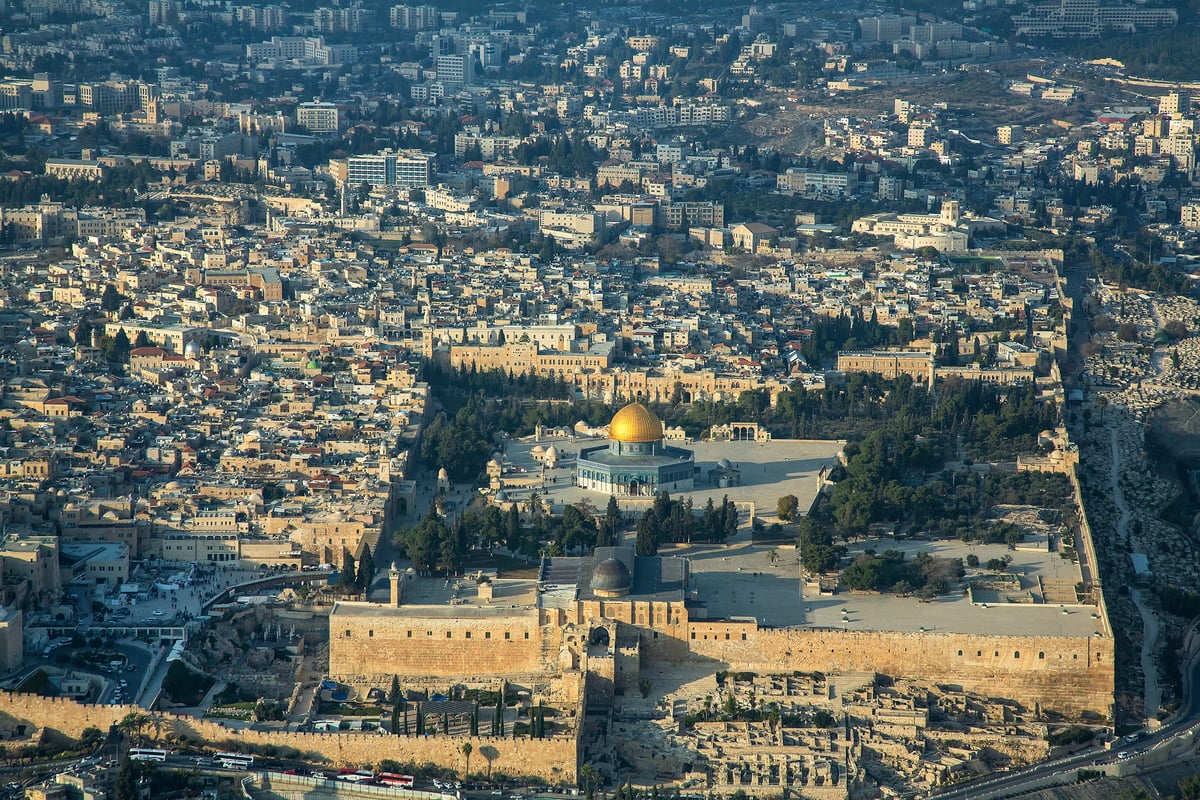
column 635, row 462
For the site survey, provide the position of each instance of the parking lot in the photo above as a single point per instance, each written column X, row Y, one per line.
column 125, row 629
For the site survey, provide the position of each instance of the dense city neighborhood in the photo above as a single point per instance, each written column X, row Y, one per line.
column 631, row 400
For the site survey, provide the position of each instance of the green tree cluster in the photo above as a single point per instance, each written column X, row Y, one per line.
column 1167, row 55
column 670, row 520
column 537, row 722
column 429, row 541
column 1133, row 274
column 110, row 298
column 851, row 332
column 1179, row 601
column 460, row 445
column 817, row 552
column 884, row 474
column 926, row 575
column 786, row 507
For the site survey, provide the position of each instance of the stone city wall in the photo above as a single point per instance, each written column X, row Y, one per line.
column 427, row 646
column 562, row 690
column 553, row 760
column 1071, row 675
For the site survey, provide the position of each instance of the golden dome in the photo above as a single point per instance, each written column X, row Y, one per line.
column 635, row 423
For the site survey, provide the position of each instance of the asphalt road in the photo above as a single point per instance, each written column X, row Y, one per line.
column 1029, row 778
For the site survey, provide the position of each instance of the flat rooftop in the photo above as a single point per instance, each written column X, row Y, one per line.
column 494, row 611
column 740, row 580
column 655, row 578
column 759, row 581
column 464, row 592
column 87, row 551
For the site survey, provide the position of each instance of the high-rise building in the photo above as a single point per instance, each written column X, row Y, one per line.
column 414, row 168
column 889, row 28
column 336, row 20
column 1189, row 216
column 318, row 117
column 311, row 48
column 164, row 12
column 756, row 20
column 1175, row 102
column 414, row 18
column 1009, row 134
column 410, row 168
column 110, row 97
column 456, row 70
column 266, row 18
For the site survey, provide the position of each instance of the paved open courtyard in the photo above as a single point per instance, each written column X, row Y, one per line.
column 769, row 470
column 742, row 579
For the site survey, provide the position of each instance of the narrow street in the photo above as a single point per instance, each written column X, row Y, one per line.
column 1152, row 694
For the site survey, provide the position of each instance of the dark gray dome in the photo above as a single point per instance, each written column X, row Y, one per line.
column 610, row 575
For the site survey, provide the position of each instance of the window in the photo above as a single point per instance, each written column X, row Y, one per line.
column 468, row 634
column 960, row 652
column 371, row 634
column 979, row 652
column 507, row 635
column 447, row 634
column 1016, row 653
column 487, row 634
column 347, row 633
column 743, row 637
column 526, row 634
column 1041, row 655
column 410, row 634
column 727, row 637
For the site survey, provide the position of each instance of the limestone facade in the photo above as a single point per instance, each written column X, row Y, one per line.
column 553, row 759
column 1070, row 675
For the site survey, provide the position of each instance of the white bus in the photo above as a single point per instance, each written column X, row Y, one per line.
column 147, row 754
column 234, row 760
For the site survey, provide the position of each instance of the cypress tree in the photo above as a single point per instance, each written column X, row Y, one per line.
column 366, row 569
column 126, row 784
column 110, row 300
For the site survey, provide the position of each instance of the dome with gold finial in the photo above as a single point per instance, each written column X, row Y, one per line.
column 635, row 462
column 635, row 423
